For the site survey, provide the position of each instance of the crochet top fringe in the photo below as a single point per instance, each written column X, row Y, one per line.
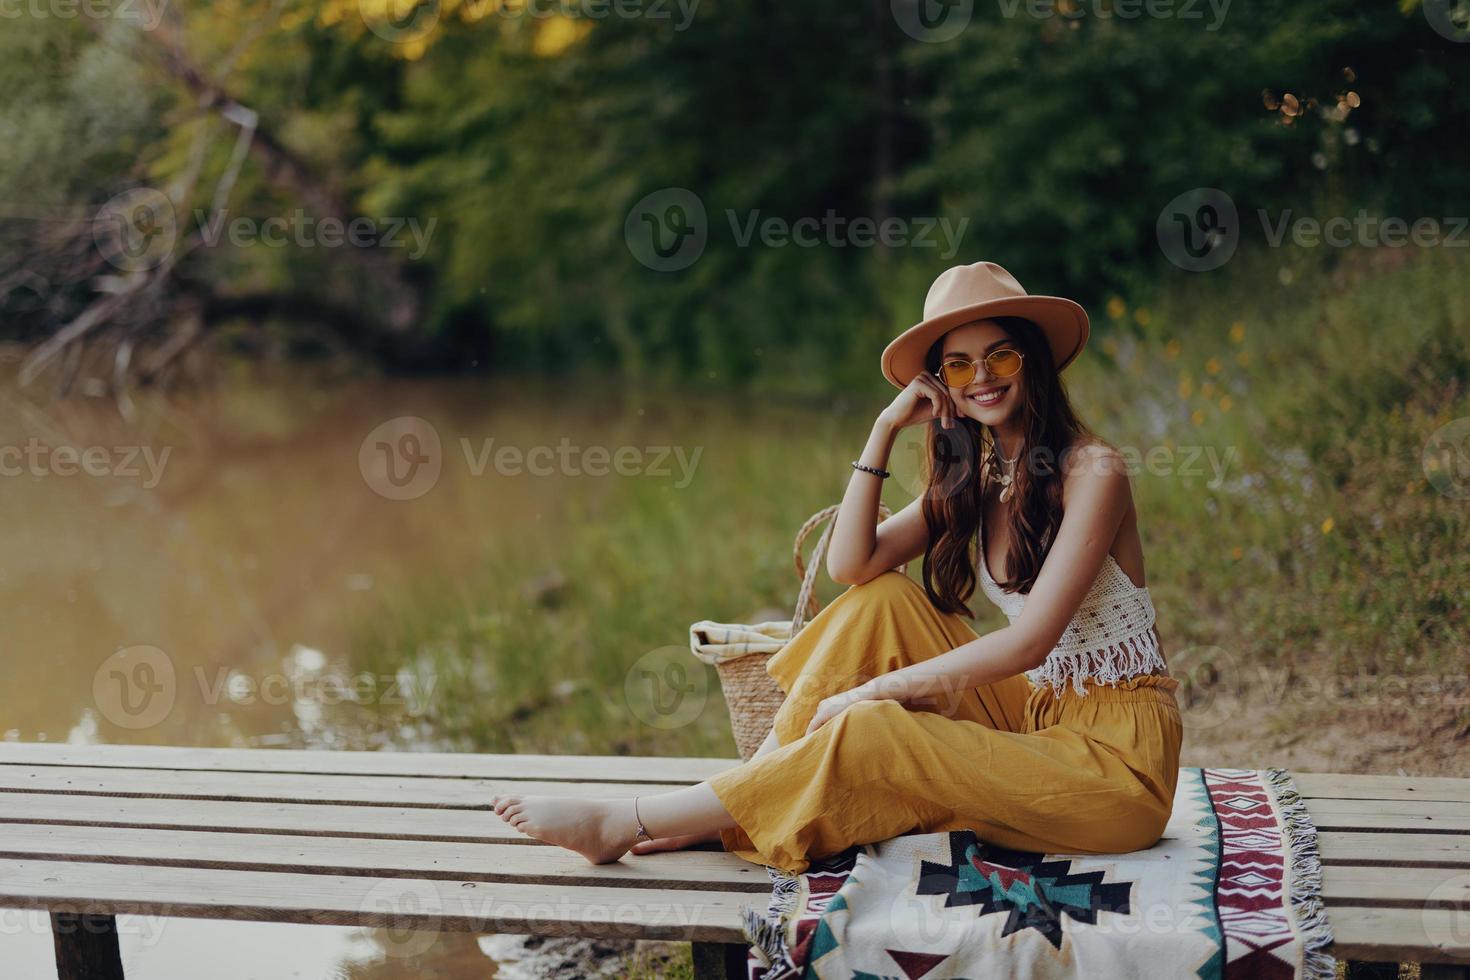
column 1110, row 639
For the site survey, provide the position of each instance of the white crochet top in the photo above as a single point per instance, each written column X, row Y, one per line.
column 1111, row 638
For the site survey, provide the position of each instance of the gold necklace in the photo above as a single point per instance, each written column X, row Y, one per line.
column 1007, row 488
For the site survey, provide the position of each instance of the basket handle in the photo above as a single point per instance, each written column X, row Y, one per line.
column 806, row 600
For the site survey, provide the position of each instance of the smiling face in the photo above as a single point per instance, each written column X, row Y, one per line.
column 986, row 399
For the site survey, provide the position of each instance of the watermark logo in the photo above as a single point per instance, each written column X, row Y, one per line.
column 1450, row 19
column 136, row 230
column 1446, row 916
column 1199, row 230
column 400, row 21
column 667, row 230
column 402, row 458
column 144, row 14
column 1208, row 676
column 666, row 687
column 651, row 10
column 1446, row 459
column 932, row 21
column 304, row 231
column 1075, row 10
column 399, row 908
column 135, row 687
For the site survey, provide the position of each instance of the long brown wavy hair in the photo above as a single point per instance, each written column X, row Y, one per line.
column 954, row 490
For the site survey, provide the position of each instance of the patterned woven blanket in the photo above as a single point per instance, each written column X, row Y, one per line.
column 1232, row 891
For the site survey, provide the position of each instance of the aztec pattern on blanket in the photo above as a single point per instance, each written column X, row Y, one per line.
column 1231, row 892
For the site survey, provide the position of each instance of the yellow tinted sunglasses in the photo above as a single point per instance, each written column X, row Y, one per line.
column 1001, row 363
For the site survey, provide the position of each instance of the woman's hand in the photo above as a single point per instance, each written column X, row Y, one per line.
column 926, row 398
column 833, row 706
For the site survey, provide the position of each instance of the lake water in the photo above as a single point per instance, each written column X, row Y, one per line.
column 234, row 543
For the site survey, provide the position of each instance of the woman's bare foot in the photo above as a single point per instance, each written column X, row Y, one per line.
column 673, row 843
column 600, row 831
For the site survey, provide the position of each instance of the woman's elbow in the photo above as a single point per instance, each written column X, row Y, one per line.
column 1035, row 647
column 843, row 574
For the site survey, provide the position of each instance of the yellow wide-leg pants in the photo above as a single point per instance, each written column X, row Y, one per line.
column 1021, row 766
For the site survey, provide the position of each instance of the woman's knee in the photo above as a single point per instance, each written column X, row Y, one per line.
column 885, row 587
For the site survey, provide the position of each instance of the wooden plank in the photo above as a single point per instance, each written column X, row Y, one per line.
column 1398, row 935
column 697, row 870
column 296, row 787
column 396, row 903
column 1355, row 786
column 1389, row 887
column 387, row 823
column 1403, row 815
column 1394, row 850
column 449, row 765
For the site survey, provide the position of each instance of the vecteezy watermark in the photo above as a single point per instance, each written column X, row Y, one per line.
column 403, row 909
column 1216, row 683
column 1446, row 459
column 136, row 230
column 681, row 12
column 403, row 458
column 938, row 21
column 567, row 459
column 835, row 231
column 305, row 231
column 37, row 459
column 79, row 918
column 1445, row 914
column 1364, row 230
column 666, row 688
column 1200, row 229
column 138, row 687
column 668, row 230
column 400, row 21
column 1450, row 19
column 932, row 21
column 1120, row 9
column 908, row 460
column 146, row 14
column 405, row 904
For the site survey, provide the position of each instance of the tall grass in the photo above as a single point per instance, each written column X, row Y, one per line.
column 1315, row 376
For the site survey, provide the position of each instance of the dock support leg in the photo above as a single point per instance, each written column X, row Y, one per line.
column 86, row 946
column 1444, row 971
column 720, row 961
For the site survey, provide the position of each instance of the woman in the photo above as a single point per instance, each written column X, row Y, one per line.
column 899, row 718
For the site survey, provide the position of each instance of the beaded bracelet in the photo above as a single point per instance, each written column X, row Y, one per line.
column 871, row 469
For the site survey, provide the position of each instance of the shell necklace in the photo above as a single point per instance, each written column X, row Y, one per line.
column 1006, row 479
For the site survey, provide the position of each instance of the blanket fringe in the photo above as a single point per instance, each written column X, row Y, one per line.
column 766, row 931
column 1305, row 881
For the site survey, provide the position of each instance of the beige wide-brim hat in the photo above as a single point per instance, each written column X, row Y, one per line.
column 967, row 293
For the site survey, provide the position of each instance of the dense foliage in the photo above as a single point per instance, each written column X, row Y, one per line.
column 1047, row 137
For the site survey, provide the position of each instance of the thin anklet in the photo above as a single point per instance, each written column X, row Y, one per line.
column 642, row 833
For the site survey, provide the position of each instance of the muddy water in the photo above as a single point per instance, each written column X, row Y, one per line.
column 190, row 570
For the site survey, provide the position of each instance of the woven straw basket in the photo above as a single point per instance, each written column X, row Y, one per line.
column 739, row 652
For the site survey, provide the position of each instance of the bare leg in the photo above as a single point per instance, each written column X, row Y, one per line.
column 602, row 831
column 681, row 841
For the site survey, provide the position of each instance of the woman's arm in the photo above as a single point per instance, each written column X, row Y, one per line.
column 1095, row 499
column 860, row 548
